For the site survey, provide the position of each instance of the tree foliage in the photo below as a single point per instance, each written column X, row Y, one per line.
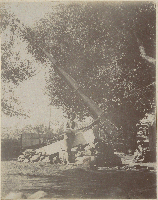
column 15, row 67
column 106, row 48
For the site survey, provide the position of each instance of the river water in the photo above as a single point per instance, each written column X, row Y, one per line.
column 72, row 182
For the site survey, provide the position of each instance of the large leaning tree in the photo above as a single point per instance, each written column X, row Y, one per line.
column 109, row 49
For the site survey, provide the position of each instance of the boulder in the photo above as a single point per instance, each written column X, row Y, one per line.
column 38, row 195
column 13, row 195
column 35, row 158
column 26, row 160
column 42, row 157
column 46, row 159
column 21, row 158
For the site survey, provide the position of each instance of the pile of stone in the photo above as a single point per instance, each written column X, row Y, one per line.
column 97, row 154
column 31, row 155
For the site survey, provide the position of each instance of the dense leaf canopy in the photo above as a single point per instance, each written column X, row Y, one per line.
column 109, row 49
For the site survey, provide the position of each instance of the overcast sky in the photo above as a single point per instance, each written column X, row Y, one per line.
column 31, row 92
column 29, row 13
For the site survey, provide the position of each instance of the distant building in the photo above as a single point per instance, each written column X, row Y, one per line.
column 34, row 139
column 29, row 139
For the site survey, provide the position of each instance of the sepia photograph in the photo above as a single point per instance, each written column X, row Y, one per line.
column 78, row 100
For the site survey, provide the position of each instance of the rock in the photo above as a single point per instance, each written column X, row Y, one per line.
column 13, row 195
column 35, row 158
column 42, row 157
column 29, row 151
column 46, row 159
column 38, row 195
column 26, row 160
column 79, row 160
column 21, row 158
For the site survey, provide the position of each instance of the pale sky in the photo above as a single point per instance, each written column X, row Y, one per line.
column 31, row 92
column 30, row 12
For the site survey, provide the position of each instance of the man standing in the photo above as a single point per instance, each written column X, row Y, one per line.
column 69, row 136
